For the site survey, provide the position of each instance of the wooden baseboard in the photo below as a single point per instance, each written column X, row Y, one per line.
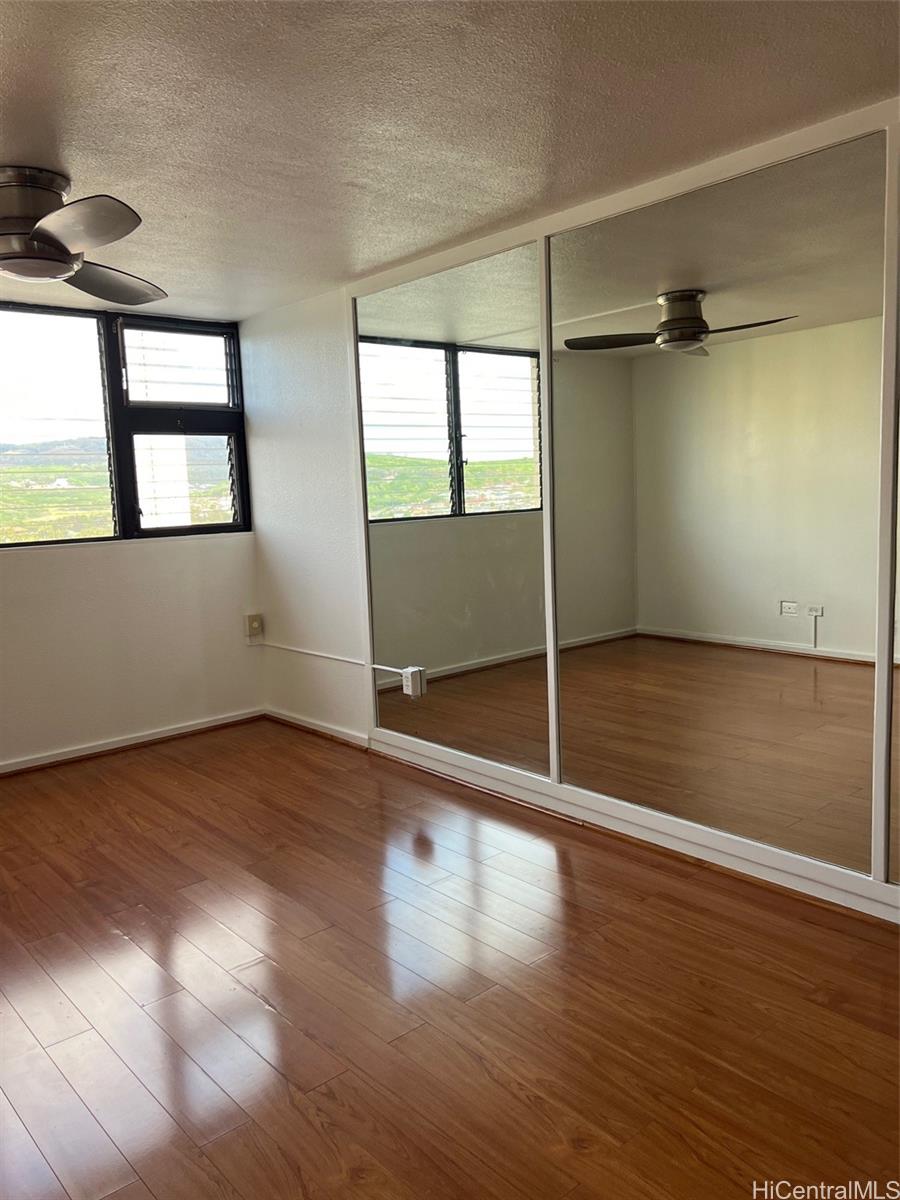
column 35, row 762
column 334, row 733
column 118, row 745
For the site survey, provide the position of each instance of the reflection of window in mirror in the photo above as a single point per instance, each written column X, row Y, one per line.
column 449, row 430
column 405, row 431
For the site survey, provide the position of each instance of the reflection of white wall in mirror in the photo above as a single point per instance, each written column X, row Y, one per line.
column 457, row 592
column 757, row 479
column 468, row 591
column 594, row 453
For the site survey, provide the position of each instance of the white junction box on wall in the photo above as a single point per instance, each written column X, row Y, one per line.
column 415, row 683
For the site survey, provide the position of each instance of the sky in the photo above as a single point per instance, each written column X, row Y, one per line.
column 404, row 401
column 51, row 386
column 50, row 382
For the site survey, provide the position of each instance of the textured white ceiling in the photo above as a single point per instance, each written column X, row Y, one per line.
column 277, row 149
column 803, row 237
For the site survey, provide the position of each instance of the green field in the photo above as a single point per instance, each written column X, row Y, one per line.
column 419, row 487
column 55, row 491
column 61, row 490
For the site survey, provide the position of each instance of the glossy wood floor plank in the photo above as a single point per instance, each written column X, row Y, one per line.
column 373, row 1009
column 303, row 1062
column 134, row 1191
column 257, row 1165
column 418, row 1152
column 82, row 1156
column 283, row 907
column 326, row 1158
column 466, row 946
column 24, row 1172
column 522, row 1114
column 189, row 1096
column 532, row 1063
column 389, row 1072
column 47, row 1012
column 502, row 935
column 133, row 970
column 164, row 1157
column 269, row 901
column 553, row 933
column 272, row 966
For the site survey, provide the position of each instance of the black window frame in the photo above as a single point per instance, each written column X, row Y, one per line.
column 124, row 420
column 457, row 460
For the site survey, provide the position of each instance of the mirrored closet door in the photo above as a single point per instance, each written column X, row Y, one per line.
column 716, row 501
column 894, row 765
column 451, row 429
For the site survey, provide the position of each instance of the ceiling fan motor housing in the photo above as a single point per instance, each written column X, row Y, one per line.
column 27, row 194
column 682, row 326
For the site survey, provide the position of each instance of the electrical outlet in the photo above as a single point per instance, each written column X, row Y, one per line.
column 789, row 608
column 815, row 610
column 253, row 625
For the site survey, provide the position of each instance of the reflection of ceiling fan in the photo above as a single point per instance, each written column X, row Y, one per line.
column 682, row 327
column 44, row 239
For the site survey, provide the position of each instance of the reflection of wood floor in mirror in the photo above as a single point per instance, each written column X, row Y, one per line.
column 774, row 747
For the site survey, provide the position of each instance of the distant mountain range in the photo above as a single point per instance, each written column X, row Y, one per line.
column 89, row 451
column 70, row 452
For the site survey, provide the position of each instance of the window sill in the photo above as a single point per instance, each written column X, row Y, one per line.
column 506, row 512
column 117, row 541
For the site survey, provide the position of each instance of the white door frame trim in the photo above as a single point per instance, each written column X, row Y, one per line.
column 548, row 510
column 886, row 567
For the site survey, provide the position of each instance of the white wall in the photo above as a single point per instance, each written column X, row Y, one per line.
column 100, row 642
column 307, row 513
column 460, row 592
column 757, row 482
column 116, row 640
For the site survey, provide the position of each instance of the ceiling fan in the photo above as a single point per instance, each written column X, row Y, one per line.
column 682, row 327
column 43, row 239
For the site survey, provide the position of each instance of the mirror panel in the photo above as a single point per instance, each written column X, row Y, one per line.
column 708, row 505
column 894, row 796
column 452, row 439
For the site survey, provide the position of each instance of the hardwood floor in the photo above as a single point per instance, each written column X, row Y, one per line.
column 253, row 963
column 774, row 747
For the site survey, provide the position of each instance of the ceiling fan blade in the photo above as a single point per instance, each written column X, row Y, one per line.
column 85, row 224
column 700, row 352
column 753, row 324
column 610, row 341
column 117, row 287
